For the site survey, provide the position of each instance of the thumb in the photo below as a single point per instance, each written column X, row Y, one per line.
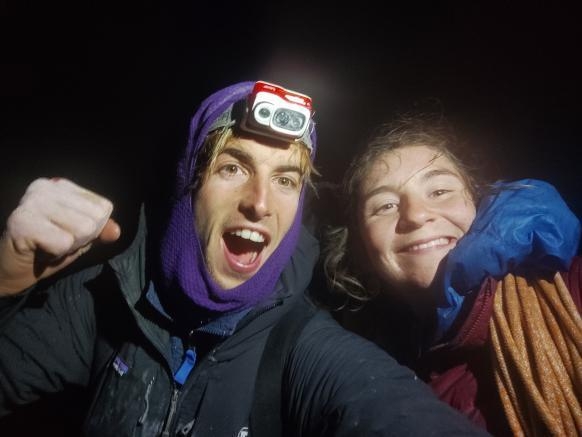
column 110, row 232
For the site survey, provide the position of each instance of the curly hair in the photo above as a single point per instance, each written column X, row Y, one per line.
column 342, row 257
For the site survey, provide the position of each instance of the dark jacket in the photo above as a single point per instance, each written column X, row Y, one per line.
column 94, row 336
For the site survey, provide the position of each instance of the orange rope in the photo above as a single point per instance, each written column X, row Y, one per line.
column 536, row 333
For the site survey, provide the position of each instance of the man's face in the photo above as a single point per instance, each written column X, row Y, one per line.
column 245, row 206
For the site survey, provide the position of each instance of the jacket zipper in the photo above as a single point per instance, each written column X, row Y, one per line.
column 171, row 412
column 176, row 391
column 144, row 415
column 487, row 288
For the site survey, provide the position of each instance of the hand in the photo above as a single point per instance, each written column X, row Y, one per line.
column 55, row 223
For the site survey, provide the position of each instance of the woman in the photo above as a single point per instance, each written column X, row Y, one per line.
column 459, row 281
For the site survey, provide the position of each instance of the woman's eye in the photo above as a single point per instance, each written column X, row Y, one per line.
column 438, row 193
column 385, row 208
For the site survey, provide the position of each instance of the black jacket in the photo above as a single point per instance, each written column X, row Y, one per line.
column 92, row 342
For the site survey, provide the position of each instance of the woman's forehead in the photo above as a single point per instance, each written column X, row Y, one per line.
column 404, row 163
column 408, row 159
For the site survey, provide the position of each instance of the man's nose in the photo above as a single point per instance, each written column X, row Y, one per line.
column 414, row 213
column 256, row 199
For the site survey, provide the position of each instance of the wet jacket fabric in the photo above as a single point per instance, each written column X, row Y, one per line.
column 95, row 335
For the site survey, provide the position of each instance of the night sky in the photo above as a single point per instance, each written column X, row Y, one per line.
column 102, row 93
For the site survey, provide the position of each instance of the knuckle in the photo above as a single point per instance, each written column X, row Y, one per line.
column 108, row 205
column 60, row 182
column 37, row 184
column 85, row 226
column 17, row 221
column 62, row 243
column 104, row 207
column 38, row 191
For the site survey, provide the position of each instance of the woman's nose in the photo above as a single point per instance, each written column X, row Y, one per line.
column 414, row 212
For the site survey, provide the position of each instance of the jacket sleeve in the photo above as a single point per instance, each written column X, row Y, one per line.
column 46, row 342
column 339, row 384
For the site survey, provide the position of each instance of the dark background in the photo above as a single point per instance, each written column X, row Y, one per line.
column 101, row 92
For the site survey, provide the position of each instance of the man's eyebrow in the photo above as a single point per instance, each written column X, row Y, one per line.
column 247, row 158
column 239, row 154
column 290, row 168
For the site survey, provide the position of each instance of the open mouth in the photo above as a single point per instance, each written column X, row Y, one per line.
column 244, row 248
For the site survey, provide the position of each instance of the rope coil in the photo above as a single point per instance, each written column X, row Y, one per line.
column 536, row 333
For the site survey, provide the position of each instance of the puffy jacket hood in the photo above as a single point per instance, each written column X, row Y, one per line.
column 523, row 225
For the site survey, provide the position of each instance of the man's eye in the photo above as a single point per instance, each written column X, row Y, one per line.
column 229, row 169
column 286, row 182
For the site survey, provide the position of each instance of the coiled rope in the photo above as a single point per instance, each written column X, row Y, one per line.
column 536, row 332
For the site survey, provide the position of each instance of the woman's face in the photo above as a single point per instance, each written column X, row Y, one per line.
column 413, row 208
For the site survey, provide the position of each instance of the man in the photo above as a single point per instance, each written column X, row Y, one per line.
column 167, row 337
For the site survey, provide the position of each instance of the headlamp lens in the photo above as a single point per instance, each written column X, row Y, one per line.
column 264, row 112
column 288, row 119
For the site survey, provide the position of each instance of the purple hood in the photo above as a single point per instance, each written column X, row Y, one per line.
column 181, row 260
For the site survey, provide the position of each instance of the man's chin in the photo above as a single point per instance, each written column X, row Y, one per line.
column 231, row 280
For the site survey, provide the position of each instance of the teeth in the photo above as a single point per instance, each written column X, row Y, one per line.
column 433, row 243
column 247, row 234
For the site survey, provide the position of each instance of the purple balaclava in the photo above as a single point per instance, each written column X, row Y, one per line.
column 182, row 266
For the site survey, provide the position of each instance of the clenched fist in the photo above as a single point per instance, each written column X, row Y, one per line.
column 55, row 223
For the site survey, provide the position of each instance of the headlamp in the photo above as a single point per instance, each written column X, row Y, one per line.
column 271, row 111
column 278, row 112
